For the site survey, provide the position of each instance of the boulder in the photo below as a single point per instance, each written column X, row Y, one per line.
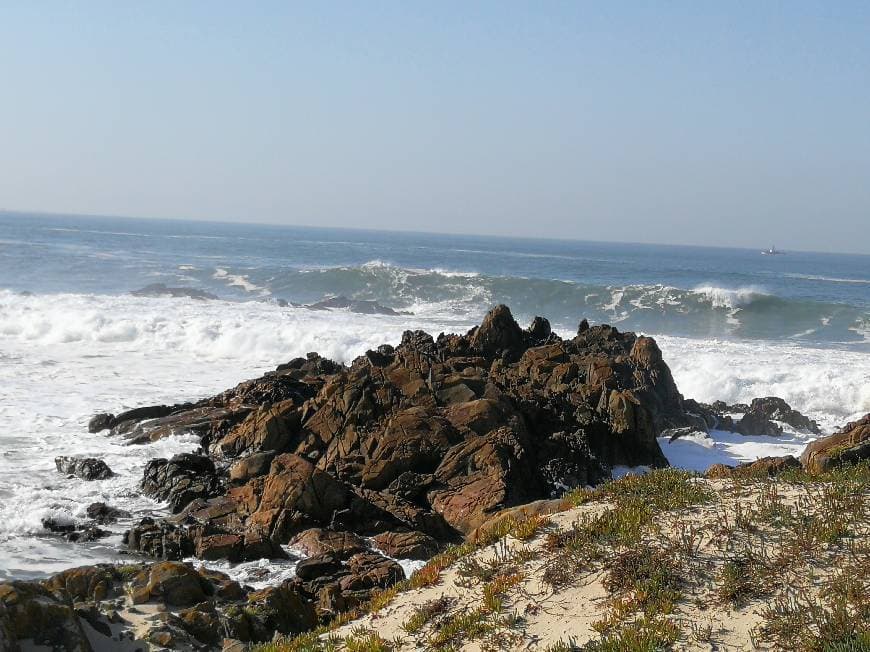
column 849, row 445
column 86, row 468
column 755, row 424
column 279, row 609
column 497, row 333
column 171, row 583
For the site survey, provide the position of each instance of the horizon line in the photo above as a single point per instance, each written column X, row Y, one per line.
column 52, row 213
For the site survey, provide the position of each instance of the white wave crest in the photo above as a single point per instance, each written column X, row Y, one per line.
column 239, row 280
column 728, row 298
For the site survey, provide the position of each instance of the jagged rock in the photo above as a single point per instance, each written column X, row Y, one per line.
column 498, row 332
column 776, row 409
column 160, row 539
column 323, row 565
column 763, row 467
column 432, row 436
column 181, row 479
column 849, row 445
column 269, row 428
column 86, row 468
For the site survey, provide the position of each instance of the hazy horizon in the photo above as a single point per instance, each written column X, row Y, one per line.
column 681, row 124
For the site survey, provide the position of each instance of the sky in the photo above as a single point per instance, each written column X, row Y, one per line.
column 698, row 122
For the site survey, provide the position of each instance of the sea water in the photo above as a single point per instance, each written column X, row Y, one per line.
column 733, row 325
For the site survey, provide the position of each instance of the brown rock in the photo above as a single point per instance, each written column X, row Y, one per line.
column 760, row 468
column 271, row 427
column 317, row 541
column 169, row 582
column 406, row 545
column 851, row 444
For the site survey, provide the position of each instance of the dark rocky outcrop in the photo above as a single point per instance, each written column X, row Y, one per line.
column 755, row 424
column 849, row 445
column 416, row 444
column 757, row 420
column 103, row 514
column 774, row 408
column 181, row 479
column 86, row 468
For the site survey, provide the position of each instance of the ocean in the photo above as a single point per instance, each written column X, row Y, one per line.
column 733, row 325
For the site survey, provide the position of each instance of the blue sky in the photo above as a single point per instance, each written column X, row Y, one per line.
column 722, row 123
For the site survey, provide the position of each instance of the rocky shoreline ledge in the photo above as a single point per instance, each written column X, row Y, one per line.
column 402, row 453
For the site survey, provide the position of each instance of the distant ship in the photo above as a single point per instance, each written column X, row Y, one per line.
column 773, row 251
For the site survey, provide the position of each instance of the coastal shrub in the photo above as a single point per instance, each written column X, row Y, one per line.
column 425, row 613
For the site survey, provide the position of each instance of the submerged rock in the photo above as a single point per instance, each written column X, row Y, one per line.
column 361, row 306
column 161, row 290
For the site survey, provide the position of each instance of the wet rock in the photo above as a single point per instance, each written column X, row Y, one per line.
column 86, row 533
column 364, row 307
column 104, row 514
column 160, row 539
column 754, row 424
column 776, row 409
column 851, row 444
column 86, row 468
column 99, row 422
column 181, row 479
column 202, row 421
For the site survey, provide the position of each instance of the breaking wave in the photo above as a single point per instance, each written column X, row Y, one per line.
column 707, row 310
